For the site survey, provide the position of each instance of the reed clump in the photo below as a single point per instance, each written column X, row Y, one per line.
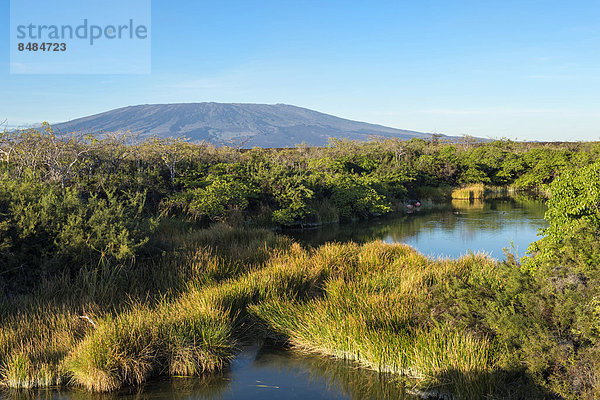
column 377, row 311
column 131, row 347
column 470, row 192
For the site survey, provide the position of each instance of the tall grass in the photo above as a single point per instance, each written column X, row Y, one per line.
column 135, row 345
column 32, row 345
column 377, row 311
column 133, row 324
column 470, row 192
column 384, row 306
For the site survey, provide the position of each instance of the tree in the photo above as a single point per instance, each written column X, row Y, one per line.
column 62, row 153
column 171, row 151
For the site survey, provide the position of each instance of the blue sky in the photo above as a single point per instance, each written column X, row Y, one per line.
column 527, row 70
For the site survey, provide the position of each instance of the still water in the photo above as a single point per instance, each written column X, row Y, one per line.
column 267, row 372
column 260, row 372
column 448, row 230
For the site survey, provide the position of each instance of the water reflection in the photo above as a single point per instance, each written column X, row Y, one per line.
column 259, row 372
column 346, row 379
column 448, row 230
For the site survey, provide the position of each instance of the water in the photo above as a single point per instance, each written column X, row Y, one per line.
column 267, row 372
column 449, row 230
column 260, row 372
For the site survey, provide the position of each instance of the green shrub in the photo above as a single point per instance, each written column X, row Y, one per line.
column 47, row 230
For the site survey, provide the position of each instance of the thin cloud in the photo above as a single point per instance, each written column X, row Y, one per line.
column 500, row 111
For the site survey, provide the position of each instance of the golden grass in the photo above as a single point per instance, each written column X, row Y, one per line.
column 471, row 192
column 377, row 312
column 135, row 345
column 373, row 303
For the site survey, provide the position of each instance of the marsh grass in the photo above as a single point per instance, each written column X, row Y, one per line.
column 385, row 306
column 131, row 347
column 191, row 335
column 33, row 343
column 376, row 310
column 135, row 326
column 470, row 192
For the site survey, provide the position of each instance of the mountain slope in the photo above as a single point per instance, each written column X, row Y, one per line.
column 263, row 125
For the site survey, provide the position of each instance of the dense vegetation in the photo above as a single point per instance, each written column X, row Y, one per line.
column 109, row 273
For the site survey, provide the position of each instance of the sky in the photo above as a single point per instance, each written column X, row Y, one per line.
column 525, row 70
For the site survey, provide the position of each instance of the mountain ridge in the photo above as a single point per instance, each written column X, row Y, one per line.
column 246, row 124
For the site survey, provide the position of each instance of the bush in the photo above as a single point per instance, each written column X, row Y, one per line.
column 355, row 198
column 564, row 345
column 46, row 230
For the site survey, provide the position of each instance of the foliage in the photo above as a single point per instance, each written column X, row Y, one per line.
column 46, row 230
column 79, row 235
column 213, row 196
column 564, row 265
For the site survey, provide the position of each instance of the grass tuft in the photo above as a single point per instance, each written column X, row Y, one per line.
column 471, row 192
